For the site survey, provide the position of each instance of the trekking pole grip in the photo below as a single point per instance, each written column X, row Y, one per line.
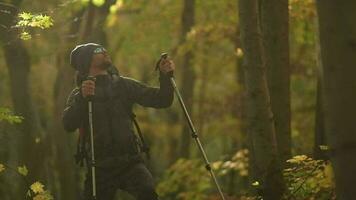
column 92, row 78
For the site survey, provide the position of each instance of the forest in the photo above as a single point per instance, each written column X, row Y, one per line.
column 269, row 86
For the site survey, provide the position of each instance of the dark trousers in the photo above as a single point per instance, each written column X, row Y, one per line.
column 136, row 180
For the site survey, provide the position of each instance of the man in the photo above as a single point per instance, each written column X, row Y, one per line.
column 118, row 161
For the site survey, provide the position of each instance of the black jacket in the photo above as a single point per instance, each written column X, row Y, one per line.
column 113, row 101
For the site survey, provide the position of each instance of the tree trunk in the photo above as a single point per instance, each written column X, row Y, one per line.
column 338, row 50
column 260, row 119
column 18, row 62
column 319, row 138
column 9, row 136
column 319, row 134
column 188, row 82
column 275, row 30
column 67, row 174
column 201, row 116
column 240, row 111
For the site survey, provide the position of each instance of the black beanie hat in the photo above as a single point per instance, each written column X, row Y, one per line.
column 81, row 56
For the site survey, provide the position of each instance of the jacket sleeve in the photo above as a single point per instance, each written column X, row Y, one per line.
column 147, row 96
column 74, row 112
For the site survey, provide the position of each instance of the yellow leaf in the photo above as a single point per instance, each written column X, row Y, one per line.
column 22, row 170
column 37, row 187
column 43, row 196
column 216, row 165
column 2, row 167
column 25, row 36
column 119, row 3
column 244, row 172
column 324, row 147
column 239, row 52
column 256, row 183
column 297, row 159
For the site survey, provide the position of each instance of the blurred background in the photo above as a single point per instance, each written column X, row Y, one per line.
column 203, row 39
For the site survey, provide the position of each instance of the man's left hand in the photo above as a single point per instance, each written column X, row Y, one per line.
column 166, row 65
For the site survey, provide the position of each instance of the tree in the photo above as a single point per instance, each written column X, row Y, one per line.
column 188, row 73
column 64, row 82
column 319, row 135
column 18, row 62
column 260, row 119
column 338, row 50
column 275, row 31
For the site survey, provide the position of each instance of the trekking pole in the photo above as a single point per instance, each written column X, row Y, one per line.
column 194, row 132
column 90, row 112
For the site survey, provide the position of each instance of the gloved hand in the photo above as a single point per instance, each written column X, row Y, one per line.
column 165, row 65
column 88, row 88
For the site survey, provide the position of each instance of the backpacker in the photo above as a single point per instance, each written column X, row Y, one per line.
column 81, row 155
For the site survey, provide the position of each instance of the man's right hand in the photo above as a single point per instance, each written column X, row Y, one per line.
column 88, row 88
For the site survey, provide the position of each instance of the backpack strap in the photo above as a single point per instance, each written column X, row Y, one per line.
column 81, row 154
column 144, row 147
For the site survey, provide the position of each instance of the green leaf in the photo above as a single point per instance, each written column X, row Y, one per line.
column 22, row 170
column 25, row 15
column 28, row 193
column 113, row 9
column 85, row 2
column 36, row 21
column 2, row 167
column 8, row 116
column 25, row 36
column 98, row 3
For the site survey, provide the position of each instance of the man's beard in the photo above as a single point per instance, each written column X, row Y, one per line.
column 105, row 65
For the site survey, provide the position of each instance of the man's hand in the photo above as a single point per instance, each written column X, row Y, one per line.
column 166, row 65
column 88, row 88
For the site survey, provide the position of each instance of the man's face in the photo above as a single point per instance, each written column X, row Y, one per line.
column 101, row 58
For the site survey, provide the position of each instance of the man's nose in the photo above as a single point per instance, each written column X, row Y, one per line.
column 106, row 55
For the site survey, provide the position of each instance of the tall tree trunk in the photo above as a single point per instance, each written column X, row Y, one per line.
column 10, row 187
column 319, row 136
column 319, row 131
column 338, row 50
column 201, row 116
column 259, row 115
column 67, row 174
column 240, row 111
column 275, row 30
column 18, row 62
column 188, row 82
